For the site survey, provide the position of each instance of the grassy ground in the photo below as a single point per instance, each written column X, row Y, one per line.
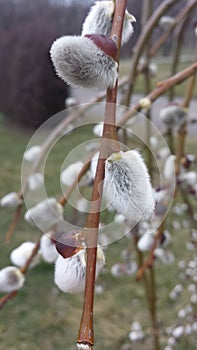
column 41, row 317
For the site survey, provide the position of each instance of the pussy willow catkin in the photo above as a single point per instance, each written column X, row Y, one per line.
column 127, row 186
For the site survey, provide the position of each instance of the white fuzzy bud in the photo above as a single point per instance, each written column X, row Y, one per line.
column 11, row 279
column 118, row 269
column 145, row 103
column 127, row 186
column 70, row 102
column 175, row 292
column 136, row 335
column 169, row 168
column 81, row 346
column 173, row 116
column 82, row 205
column 70, row 273
column 163, row 152
column 145, row 243
column 22, row 253
column 188, row 329
column 45, row 214
column 98, row 129
column 166, row 22
column 47, row 248
column 35, row 181
column 11, row 200
column 153, row 69
column 166, row 257
column 100, row 18
column 32, row 153
column 69, row 174
column 136, row 326
column 178, row 332
column 189, row 178
column 93, row 165
column 83, row 63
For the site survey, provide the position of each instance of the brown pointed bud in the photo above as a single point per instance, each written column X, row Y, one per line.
column 104, row 43
column 69, row 244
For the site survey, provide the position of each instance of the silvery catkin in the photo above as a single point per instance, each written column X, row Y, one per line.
column 83, row 62
column 127, row 186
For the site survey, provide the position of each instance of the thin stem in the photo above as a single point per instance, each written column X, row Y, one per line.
column 183, row 13
column 162, row 88
column 6, row 298
column 25, row 267
column 23, row 270
column 153, row 308
column 177, row 44
column 109, row 144
column 147, row 29
column 13, row 224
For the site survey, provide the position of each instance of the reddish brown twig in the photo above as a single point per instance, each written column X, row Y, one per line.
column 24, row 268
column 109, row 144
column 6, row 298
column 13, row 224
column 148, row 263
column 162, row 88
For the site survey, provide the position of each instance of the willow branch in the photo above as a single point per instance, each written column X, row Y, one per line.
column 178, row 19
column 109, row 144
column 162, row 88
column 147, row 29
column 177, row 44
column 23, row 270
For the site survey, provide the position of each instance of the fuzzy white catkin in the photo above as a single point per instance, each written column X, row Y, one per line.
column 84, row 346
column 127, row 186
column 11, row 200
column 93, row 165
column 100, row 18
column 172, row 115
column 70, row 273
column 98, row 129
column 189, row 178
column 166, row 22
column 80, row 63
column 69, row 174
column 45, row 214
column 21, row 254
column 145, row 242
column 35, row 181
column 169, row 167
column 11, row 279
column 48, row 249
column 32, row 153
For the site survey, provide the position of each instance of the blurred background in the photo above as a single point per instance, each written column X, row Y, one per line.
column 30, row 91
column 42, row 317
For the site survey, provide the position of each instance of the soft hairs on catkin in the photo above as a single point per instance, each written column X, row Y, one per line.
column 127, row 186
column 100, row 18
column 80, row 63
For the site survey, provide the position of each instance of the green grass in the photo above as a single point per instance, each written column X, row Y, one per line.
column 41, row 317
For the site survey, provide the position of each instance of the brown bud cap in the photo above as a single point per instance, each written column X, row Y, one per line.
column 104, row 43
column 69, row 244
